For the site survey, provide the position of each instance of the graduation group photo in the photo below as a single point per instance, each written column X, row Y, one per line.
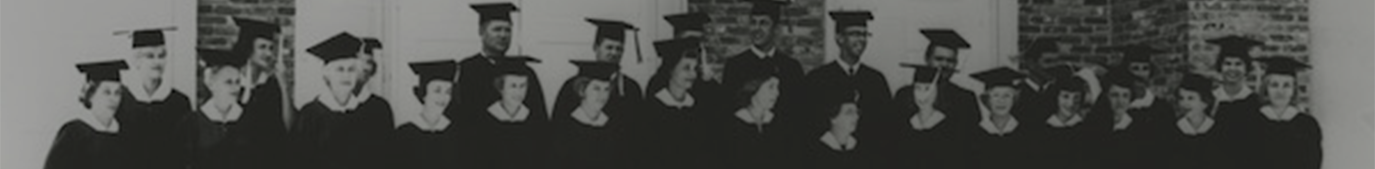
column 982, row 84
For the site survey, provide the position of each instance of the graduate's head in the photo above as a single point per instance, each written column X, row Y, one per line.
column 149, row 53
column 852, row 33
column 593, row 82
column 495, row 26
column 609, row 44
column 1118, row 90
column 944, row 50
column 258, row 41
column 764, row 19
column 436, row 82
column 1000, row 93
column 1279, row 85
column 512, row 87
column 1038, row 56
column 923, row 82
column 1233, row 59
column 343, row 70
column 223, row 73
column 1192, row 95
column 759, row 93
column 680, row 63
column 846, row 119
column 1137, row 59
column 1069, row 93
column 688, row 25
column 102, row 89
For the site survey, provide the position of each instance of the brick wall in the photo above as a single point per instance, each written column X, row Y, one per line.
column 728, row 34
column 215, row 31
column 1281, row 24
column 1084, row 25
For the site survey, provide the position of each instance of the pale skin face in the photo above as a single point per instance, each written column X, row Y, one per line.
column 1141, row 70
column 150, row 60
column 684, row 74
column 943, row 57
column 344, row 76
column 1191, row 103
column 1119, row 98
column 924, row 94
column 496, row 36
column 852, row 41
column 1068, row 101
column 224, row 83
column 105, row 99
column 437, row 94
column 763, row 28
column 609, row 50
column 847, row 120
column 513, row 89
column 264, row 55
column 596, row 94
column 767, row 95
column 1280, row 89
column 1001, row 99
column 1233, row 69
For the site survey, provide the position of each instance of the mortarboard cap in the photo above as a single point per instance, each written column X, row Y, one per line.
column 695, row 21
column 1001, row 76
column 611, row 29
column 1235, row 46
column 1137, row 53
column 515, row 65
column 923, row 73
column 442, row 70
column 596, row 70
column 1121, row 78
column 1042, row 45
column 945, row 37
column 1283, row 65
column 1195, row 82
column 1060, row 71
column 845, row 19
column 494, row 11
column 341, row 46
column 102, row 70
column 370, row 44
column 673, row 49
column 772, row 8
column 221, row 58
column 251, row 28
column 148, row 36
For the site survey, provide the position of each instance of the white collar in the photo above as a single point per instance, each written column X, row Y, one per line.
column 1055, row 121
column 585, row 117
column 850, row 69
column 327, row 98
column 831, row 140
column 669, row 101
column 496, row 110
column 987, row 124
column 761, row 53
column 746, row 116
column 136, row 89
column 235, row 110
column 1222, row 96
column 1145, row 101
column 440, row 125
column 928, row 122
column 1279, row 115
column 1123, row 123
column 89, row 118
column 1190, row 129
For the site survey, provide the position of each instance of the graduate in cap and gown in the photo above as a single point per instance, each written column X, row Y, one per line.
column 714, row 97
column 1235, row 102
column 476, row 72
column 675, row 132
column 1291, row 137
column 1003, row 139
column 839, row 145
column 591, row 136
column 93, row 140
column 507, row 132
column 756, row 136
column 1067, row 136
column 1130, row 137
column 626, row 93
column 826, row 85
column 427, row 140
column 152, row 108
column 1035, row 100
column 217, row 133
column 942, row 53
column 935, row 136
column 1196, row 140
column 263, row 94
column 1136, row 62
column 765, row 57
column 345, row 127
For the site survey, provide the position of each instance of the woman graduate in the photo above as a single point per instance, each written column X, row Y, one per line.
column 1293, row 138
column 1001, row 141
column 508, row 132
column 1127, row 140
column 1066, row 135
column 93, row 140
column 591, row 137
column 426, row 140
column 753, row 138
column 1194, row 142
column 345, row 127
column 937, row 136
column 672, row 132
column 217, row 134
column 838, row 146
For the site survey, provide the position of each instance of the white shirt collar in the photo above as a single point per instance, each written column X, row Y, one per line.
column 440, row 125
column 1279, row 115
column 585, row 117
column 1123, row 123
column 763, row 54
column 210, row 112
column 1222, row 95
column 928, row 122
column 1190, row 129
column 136, row 89
column 89, row 118
column 1145, row 101
column 1056, row 122
column 327, row 98
column 502, row 115
column 850, row 69
column 987, row 124
column 668, row 100
column 833, row 141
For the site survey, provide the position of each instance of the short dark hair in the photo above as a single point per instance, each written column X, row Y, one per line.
column 931, row 48
column 89, row 89
column 500, row 80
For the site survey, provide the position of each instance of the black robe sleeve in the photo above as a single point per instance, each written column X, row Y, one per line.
column 78, row 146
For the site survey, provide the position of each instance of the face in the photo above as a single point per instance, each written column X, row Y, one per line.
column 224, row 82
column 1001, row 99
column 596, row 94
column 1191, row 102
column 1119, row 97
column 768, row 94
column 1279, row 89
column 1141, row 70
column 942, row 57
column 437, row 94
column 684, row 73
column 150, row 60
column 344, row 74
column 609, row 50
column 853, row 40
column 1233, row 69
column 513, row 89
column 924, row 93
column 264, row 53
column 1068, row 100
column 496, row 35
column 106, row 97
column 763, row 29
column 847, row 119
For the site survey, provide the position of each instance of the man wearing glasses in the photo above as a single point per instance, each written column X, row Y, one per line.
column 837, row 82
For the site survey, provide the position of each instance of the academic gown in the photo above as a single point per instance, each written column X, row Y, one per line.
column 1015, row 149
column 626, row 96
column 818, row 154
column 678, row 136
column 151, row 126
column 79, row 146
column 493, row 143
column 581, row 145
column 1292, row 143
column 944, row 145
column 1035, row 101
column 226, row 143
column 1069, row 139
column 1201, row 151
column 419, row 148
column 263, row 113
column 474, row 90
column 828, row 86
column 351, row 138
column 752, row 145
column 1137, row 145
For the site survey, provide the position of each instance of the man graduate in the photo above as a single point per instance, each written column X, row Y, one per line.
column 608, row 47
column 476, row 72
column 943, row 54
column 827, row 85
column 153, row 108
column 763, row 58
